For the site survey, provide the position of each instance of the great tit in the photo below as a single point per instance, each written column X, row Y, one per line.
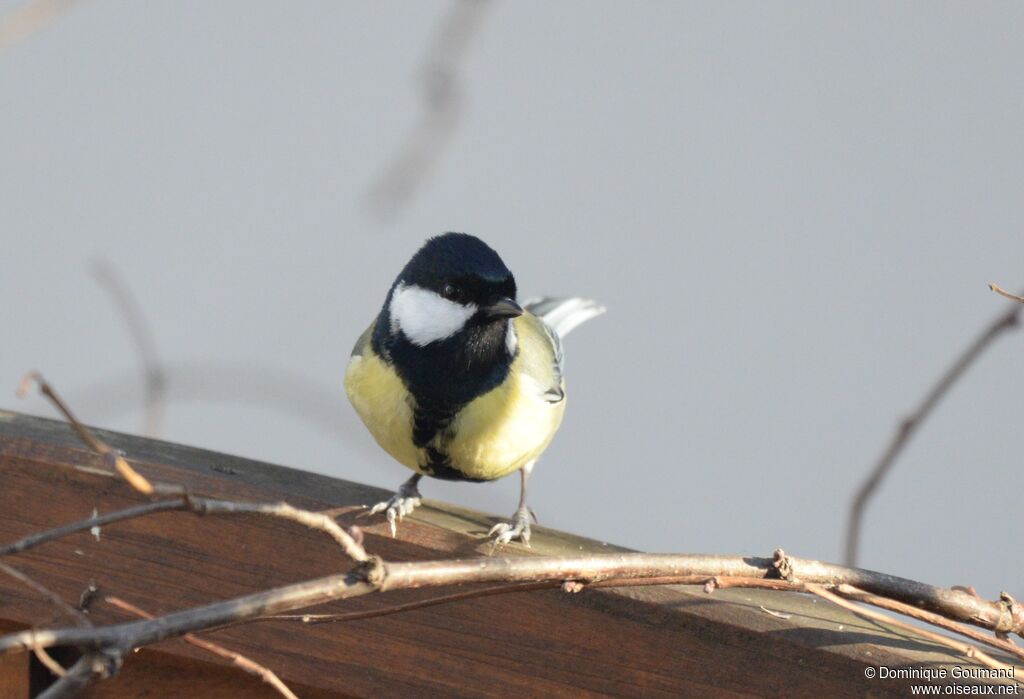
column 456, row 380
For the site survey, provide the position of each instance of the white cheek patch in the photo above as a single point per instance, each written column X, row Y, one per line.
column 511, row 339
column 425, row 316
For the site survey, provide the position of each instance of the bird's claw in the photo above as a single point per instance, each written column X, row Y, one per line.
column 398, row 506
column 518, row 528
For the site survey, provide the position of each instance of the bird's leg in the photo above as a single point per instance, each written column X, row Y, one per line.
column 401, row 503
column 519, row 527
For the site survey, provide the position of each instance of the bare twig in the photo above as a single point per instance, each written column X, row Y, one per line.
column 154, row 377
column 38, row 538
column 49, row 595
column 75, row 679
column 968, row 650
column 282, row 510
column 999, row 290
column 851, row 592
column 57, row 601
column 133, row 477
column 30, row 18
column 410, row 606
column 443, row 107
column 243, row 662
column 714, row 571
column 1004, row 322
column 623, row 569
column 710, row 584
column 48, row 662
column 202, row 506
column 772, row 612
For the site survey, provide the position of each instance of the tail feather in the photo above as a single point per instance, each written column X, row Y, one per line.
column 563, row 314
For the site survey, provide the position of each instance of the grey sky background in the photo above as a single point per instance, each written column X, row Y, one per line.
column 791, row 210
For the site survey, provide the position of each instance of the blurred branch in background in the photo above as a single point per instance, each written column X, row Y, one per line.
column 908, row 426
column 285, row 392
column 200, row 381
column 153, row 375
column 443, row 104
column 29, row 18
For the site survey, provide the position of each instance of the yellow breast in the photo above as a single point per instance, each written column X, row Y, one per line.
column 504, row 429
column 495, row 434
column 381, row 401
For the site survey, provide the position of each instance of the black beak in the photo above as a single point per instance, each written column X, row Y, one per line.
column 502, row 307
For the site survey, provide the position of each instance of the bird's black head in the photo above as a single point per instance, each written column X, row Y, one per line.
column 454, row 282
column 446, row 320
column 456, row 257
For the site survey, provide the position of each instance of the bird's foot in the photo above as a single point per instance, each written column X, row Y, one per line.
column 399, row 505
column 518, row 528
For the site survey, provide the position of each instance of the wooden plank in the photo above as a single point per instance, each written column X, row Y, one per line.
column 14, row 679
column 675, row 641
column 171, row 676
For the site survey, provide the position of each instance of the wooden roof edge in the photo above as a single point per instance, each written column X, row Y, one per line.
column 438, row 530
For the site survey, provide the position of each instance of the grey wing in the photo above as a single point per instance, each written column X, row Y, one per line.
column 363, row 341
column 555, row 394
column 562, row 315
column 559, row 316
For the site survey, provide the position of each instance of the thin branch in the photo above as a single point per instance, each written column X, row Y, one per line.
column 74, row 680
column 968, row 650
column 909, row 425
column 851, row 592
column 710, row 584
column 49, row 595
column 57, row 601
column 28, row 19
column 624, row 569
column 441, row 113
column 48, row 662
column 34, row 540
column 243, row 662
column 999, row 290
column 410, row 606
column 282, row 510
column 955, row 603
column 202, row 506
column 154, row 377
column 133, row 477
column 199, row 505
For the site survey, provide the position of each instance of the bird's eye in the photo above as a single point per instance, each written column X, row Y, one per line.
column 451, row 292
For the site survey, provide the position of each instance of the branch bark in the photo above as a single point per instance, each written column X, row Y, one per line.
column 243, row 662
column 969, row 651
column 999, row 290
column 624, row 569
column 909, row 425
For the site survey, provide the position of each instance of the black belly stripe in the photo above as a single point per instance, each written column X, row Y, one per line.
column 438, row 466
column 427, row 423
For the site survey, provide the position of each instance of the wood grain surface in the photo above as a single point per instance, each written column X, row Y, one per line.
column 651, row 642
